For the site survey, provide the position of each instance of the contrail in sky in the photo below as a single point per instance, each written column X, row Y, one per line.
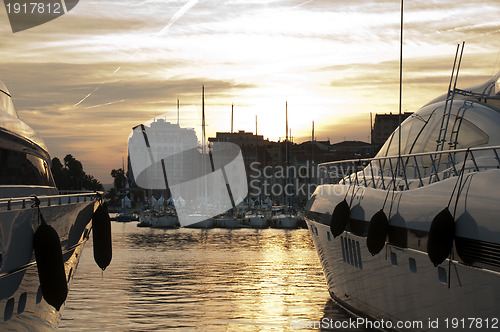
column 178, row 15
column 81, row 101
column 183, row 10
column 97, row 88
column 302, row 4
column 105, row 104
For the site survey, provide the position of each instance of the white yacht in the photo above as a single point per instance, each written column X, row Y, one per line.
column 411, row 238
column 42, row 233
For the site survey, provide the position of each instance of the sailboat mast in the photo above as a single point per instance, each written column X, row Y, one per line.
column 312, row 144
column 312, row 154
column 371, row 128
column 203, row 118
column 286, row 120
column 287, row 155
column 124, row 178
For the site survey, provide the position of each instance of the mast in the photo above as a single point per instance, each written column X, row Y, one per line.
column 203, row 119
column 232, row 117
column 312, row 147
column 257, row 157
column 177, row 111
column 286, row 120
column 287, row 154
column 312, row 151
column 371, row 128
column 124, row 182
column 400, row 83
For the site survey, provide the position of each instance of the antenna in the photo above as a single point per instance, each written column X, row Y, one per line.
column 312, row 139
column 312, row 151
column 255, row 125
column 400, row 80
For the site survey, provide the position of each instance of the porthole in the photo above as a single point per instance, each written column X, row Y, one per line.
column 443, row 278
column 39, row 295
column 394, row 259
column 22, row 303
column 413, row 264
column 9, row 309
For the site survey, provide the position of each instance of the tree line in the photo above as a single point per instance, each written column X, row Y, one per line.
column 71, row 176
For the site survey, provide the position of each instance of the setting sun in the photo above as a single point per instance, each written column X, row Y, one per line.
column 85, row 79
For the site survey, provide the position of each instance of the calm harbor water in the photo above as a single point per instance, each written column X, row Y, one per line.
column 190, row 279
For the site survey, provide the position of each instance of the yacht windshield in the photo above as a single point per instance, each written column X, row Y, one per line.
column 19, row 168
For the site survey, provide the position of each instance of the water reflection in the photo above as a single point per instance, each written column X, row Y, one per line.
column 189, row 279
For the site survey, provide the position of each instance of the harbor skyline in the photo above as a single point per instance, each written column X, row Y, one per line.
column 85, row 79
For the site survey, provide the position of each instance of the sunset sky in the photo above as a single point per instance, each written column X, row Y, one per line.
column 83, row 80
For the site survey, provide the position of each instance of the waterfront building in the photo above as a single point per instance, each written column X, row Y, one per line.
column 384, row 125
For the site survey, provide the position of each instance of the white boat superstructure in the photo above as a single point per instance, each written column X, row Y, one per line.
column 164, row 219
column 32, row 216
column 414, row 237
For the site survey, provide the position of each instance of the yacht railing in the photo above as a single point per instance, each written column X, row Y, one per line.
column 409, row 171
column 16, row 203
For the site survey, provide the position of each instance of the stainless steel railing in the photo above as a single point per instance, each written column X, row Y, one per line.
column 409, row 170
column 47, row 200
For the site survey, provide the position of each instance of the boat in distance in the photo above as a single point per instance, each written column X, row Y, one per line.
column 411, row 237
column 42, row 232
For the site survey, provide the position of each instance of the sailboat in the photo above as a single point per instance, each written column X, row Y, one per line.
column 285, row 217
column 202, row 217
column 164, row 217
column 230, row 219
column 202, row 184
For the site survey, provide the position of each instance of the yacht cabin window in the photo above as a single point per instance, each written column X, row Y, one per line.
column 20, row 168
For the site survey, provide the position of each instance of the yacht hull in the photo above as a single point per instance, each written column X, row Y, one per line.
column 400, row 284
column 22, row 306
